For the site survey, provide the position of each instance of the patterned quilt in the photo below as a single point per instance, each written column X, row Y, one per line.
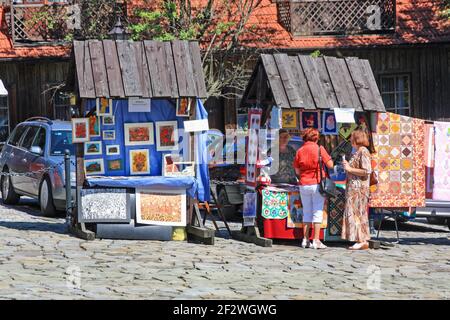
column 399, row 162
column 441, row 188
column 274, row 204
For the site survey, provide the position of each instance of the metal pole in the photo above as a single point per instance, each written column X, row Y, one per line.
column 68, row 188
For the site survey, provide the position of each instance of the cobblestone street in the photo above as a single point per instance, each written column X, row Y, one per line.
column 38, row 259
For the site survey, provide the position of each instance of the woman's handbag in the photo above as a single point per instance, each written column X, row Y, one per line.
column 327, row 187
column 373, row 179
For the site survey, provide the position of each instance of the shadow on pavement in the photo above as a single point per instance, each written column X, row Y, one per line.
column 59, row 228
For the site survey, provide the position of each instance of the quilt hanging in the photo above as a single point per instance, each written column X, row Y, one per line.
column 441, row 189
column 429, row 160
column 399, row 162
column 274, row 204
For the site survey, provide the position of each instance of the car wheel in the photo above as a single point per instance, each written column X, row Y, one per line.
column 229, row 210
column 46, row 198
column 9, row 195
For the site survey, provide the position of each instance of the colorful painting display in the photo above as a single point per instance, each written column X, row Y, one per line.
column 274, row 204
column 346, row 129
column 289, row 119
column 113, row 150
column 109, row 134
column 138, row 134
column 167, row 136
column 104, row 107
column 80, row 129
column 399, row 162
column 104, row 205
column 115, row 165
column 94, row 126
column 139, row 162
column 165, row 207
column 441, row 189
column 295, row 214
column 250, row 205
column 309, row 119
column 329, row 123
column 108, row 120
column 94, row 167
column 93, row 148
column 184, row 106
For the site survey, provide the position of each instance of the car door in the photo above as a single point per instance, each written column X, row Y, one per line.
column 25, row 160
column 36, row 162
column 15, row 154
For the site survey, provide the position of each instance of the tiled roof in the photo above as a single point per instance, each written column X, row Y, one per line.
column 8, row 51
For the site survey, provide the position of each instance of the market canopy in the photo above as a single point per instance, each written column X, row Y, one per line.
column 302, row 81
column 146, row 69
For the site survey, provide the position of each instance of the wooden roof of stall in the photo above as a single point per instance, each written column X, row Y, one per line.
column 302, row 81
column 147, row 69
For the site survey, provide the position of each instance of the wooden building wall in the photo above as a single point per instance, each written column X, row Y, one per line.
column 27, row 82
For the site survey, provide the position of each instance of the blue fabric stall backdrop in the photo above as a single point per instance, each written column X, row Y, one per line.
column 161, row 110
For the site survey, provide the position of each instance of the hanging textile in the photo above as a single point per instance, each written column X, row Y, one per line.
column 400, row 162
column 441, row 190
column 274, row 204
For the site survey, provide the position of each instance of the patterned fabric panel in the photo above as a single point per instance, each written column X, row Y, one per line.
column 336, row 208
column 399, row 162
column 441, row 190
column 274, row 204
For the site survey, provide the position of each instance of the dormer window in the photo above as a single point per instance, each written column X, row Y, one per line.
column 336, row 17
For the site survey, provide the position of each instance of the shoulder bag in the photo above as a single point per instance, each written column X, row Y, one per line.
column 327, row 187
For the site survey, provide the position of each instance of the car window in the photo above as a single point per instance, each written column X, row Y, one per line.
column 61, row 140
column 16, row 135
column 29, row 138
column 39, row 141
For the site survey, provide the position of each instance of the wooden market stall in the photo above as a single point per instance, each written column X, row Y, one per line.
column 128, row 91
column 300, row 84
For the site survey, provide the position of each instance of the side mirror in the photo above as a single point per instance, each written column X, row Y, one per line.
column 37, row 150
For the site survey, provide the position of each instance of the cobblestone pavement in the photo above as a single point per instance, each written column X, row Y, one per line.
column 38, row 259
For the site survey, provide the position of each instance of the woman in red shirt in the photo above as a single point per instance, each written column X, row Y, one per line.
column 306, row 165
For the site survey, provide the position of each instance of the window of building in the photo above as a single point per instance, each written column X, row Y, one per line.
column 396, row 93
column 61, row 106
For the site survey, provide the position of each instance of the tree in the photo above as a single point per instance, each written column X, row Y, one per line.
column 219, row 26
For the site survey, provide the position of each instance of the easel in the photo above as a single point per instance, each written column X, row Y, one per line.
column 207, row 207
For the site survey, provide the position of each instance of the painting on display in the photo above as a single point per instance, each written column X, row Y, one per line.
column 108, row 120
column 138, row 134
column 105, row 205
column 109, row 134
column 329, row 125
column 254, row 118
column 139, row 162
column 113, row 150
column 289, row 119
column 115, row 165
column 184, row 106
column 104, row 107
column 94, row 126
column 295, row 214
column 94, row 167
column 345, row 129
column 166, row 135
column 93, row 148
column 309, row 119
column 161, row 207
column 249, row 205
column 80, row 128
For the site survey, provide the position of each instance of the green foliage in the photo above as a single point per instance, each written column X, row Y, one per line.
column 316, row 54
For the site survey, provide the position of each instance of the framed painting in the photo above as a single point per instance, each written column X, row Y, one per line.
column 114, row 165
column 139, row 162
column 295, row 214
column 104, row 107
column 184, row 106
column 139, row 134
column 108, row 120
column 345, row 129
column 94, row 127
column 113, row 150
column 309, row 119
column 249, row 205
column 80, row 129
column 93, row 148
column 94, row 167
column 109, row 134
column 161, row 207
column 289, row 119
column 329, row 125
column 104, row 205
column 166, row 136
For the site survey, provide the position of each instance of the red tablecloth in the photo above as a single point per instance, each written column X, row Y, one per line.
column 277, row 229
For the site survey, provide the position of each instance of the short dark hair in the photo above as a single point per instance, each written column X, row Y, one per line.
column 310, row 134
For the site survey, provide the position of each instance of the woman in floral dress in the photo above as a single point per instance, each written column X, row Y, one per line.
column 355, row 225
